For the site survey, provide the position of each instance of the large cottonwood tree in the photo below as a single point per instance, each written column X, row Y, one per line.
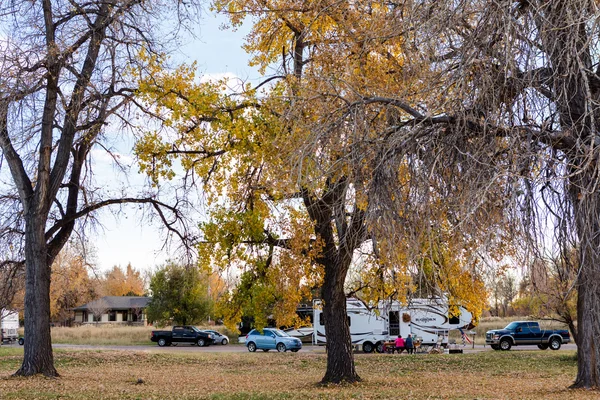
column 524, row 76
column 64, row 86
column 304, row 175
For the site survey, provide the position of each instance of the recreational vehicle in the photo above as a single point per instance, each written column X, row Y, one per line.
column 9, row 325
column 428, row 320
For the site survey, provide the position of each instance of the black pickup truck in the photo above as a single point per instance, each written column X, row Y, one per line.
column 182, row 334
column 526, row 333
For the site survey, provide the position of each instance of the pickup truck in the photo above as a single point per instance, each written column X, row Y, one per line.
column 526, row 333
column 182, row 334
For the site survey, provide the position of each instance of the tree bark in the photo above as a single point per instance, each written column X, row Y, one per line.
column 587, row 218
column 336, row 260
column 565, row 39
column 38, row 357
column 340, row 360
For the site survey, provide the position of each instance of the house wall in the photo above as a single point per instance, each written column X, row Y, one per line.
column 120, row 317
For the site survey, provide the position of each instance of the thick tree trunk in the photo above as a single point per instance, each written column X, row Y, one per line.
column 587, row 216
column 340, row 360
column 564, row 33
column 38, row 357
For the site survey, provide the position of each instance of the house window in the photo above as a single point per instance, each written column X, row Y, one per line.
column 112, row 316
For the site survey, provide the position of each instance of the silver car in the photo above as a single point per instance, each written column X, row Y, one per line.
column 218, row 337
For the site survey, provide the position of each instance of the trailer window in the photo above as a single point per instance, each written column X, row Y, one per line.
column 453, row 320
column 322, row 320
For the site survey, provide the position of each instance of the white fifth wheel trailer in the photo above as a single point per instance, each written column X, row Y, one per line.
column 9, row 325
column 428, row 320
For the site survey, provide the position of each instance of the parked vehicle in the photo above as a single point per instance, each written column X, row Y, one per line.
column 427, row 320
column 182, row 334
column 9, row 325
column 218, row 337
column 272, row 339
column 519, row 333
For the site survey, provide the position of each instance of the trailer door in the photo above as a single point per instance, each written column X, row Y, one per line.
column 394, row 321
column 405, row 319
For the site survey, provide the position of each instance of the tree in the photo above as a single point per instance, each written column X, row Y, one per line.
column 98, row 308
column 305, row 175
column 70, row 285
column 522, row 84
column 179, row 295
column 550, row 291
column 117, row 282
column 64, row 80
column 11, row 283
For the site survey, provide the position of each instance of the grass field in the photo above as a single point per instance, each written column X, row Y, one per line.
column 114, row 375
column 114, row 334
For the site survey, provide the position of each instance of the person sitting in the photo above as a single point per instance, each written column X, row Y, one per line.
column 399, row 344
column 409, row 344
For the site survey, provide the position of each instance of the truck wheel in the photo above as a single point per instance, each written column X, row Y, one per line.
column 368, row 347
column 200, row 342
column 542, row 346
column 224, row 342
column 251, row 347
column 505, row 344
column 21, row 341
column 379, row 347
column 495, row 347
column 281, row 347
column 162, row 342
column 555, row 343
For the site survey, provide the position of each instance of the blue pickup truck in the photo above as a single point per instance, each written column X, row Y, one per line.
column 526, row 333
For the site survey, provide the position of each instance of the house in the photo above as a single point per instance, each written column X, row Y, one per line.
column 113, row 310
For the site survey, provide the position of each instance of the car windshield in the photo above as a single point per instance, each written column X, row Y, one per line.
column 512, row 325
column 280, row 333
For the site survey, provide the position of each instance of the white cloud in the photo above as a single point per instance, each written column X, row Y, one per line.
column 103, row 157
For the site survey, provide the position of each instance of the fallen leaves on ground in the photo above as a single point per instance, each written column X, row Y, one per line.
column 147, row 375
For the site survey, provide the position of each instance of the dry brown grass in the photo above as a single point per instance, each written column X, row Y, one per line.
column 103, row 334
column 113, row 375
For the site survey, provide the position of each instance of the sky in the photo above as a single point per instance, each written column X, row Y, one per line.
column 123, row 238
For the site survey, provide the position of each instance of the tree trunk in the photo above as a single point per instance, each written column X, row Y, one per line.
column 340, row 360
column 564, row 34
column 38, row 357
column 587, row 216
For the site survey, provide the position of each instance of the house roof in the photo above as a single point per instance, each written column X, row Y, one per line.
column 116, row 303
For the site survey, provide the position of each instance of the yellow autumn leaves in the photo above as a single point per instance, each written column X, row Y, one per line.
column 324, row 118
